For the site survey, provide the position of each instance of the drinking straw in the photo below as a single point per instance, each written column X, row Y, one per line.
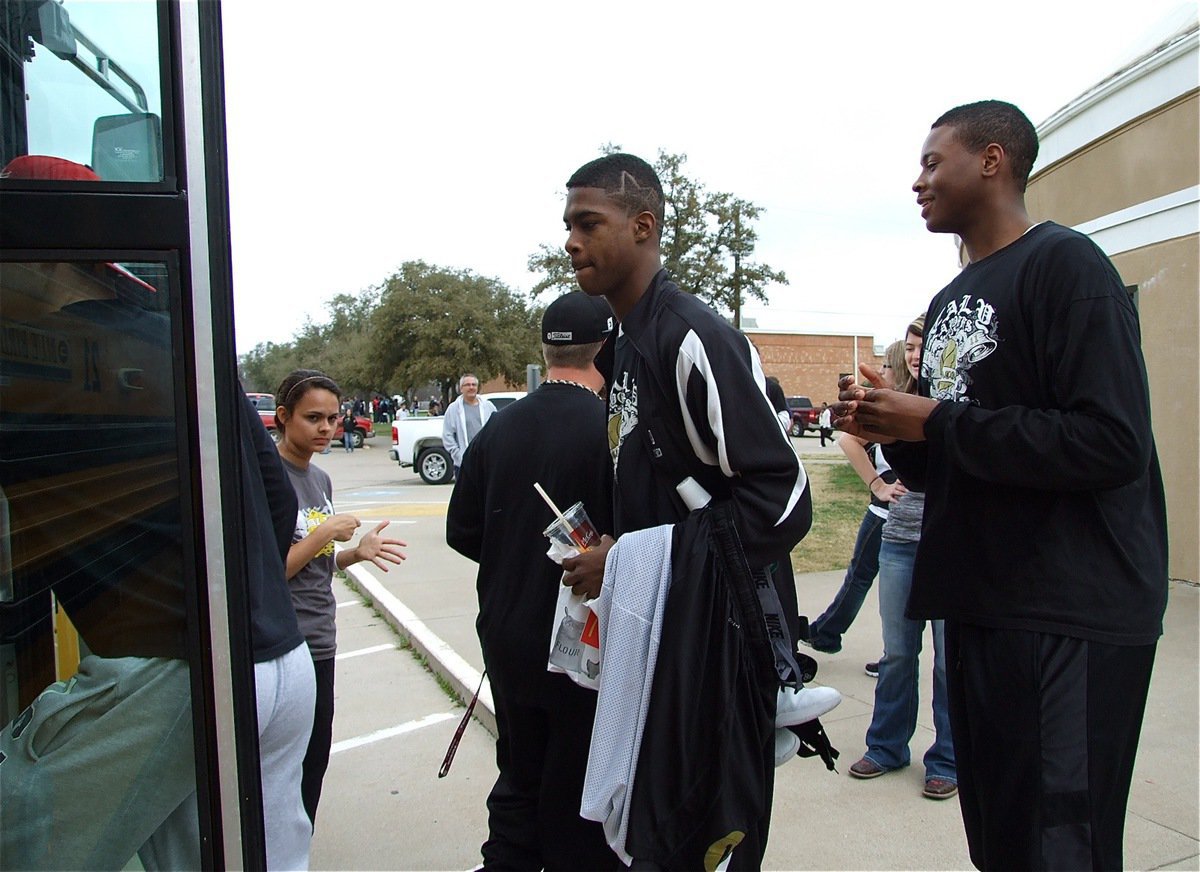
column 537, row 486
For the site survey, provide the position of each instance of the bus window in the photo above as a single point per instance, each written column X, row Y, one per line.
column 81, row 81
column 98, row 765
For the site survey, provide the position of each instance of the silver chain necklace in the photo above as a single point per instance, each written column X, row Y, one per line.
column 563, row 381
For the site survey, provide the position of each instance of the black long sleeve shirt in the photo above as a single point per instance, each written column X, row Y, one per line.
column 1044, row 502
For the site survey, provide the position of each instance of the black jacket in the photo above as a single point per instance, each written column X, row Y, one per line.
column 687, row 396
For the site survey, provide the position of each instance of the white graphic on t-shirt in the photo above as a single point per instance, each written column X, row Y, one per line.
column 311, row 517
column 963, row 334
column 622, row 413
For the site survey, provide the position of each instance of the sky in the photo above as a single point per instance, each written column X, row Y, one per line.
column 362, row 135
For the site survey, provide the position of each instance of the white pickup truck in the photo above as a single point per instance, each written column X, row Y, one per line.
column 417, row 442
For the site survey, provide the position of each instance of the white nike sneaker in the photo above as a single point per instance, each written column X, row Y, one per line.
column 804, row 704
column 787, row 744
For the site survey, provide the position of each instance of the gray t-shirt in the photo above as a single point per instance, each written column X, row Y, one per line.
column 474, row 421
column 903, row 522
column 312, row 586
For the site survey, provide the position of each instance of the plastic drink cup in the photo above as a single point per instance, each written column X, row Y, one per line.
column 577, row 531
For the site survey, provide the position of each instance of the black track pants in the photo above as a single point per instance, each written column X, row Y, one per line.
column 1045, row 733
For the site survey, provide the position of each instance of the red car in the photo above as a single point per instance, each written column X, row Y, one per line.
column 804, row 416
column 265, row 404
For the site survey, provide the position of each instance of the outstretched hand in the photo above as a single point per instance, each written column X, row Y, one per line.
column 377, row 548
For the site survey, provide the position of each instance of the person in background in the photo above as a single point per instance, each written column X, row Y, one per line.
column 348, row 432
column 779, row 402
column 465, row 417
column 825, row 633
column 1044, row 545
column 307, row 418
column 554, row 437
column 284, row 677
column 825, row 422
column 894, row 718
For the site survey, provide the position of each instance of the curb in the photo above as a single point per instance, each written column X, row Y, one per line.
column 443, row 661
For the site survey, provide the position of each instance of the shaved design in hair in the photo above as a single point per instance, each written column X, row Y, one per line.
column 627, row 180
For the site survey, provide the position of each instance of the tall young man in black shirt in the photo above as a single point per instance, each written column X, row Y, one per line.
column 1044, row 540
column 687, row 400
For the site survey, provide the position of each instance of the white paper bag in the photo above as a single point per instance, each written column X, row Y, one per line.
column 575, row 634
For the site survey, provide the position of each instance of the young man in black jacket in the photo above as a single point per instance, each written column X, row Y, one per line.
column 1044, row 540
column 687, row 399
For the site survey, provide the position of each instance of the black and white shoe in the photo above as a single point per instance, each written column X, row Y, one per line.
column 872, row 669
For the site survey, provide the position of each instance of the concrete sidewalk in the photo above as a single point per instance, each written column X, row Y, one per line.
column 821, row 820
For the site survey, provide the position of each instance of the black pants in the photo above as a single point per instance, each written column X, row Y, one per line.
column 316, row 758
column 1045, row 733
column 541, row 752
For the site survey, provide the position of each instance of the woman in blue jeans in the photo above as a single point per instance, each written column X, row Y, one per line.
column 894, row 720
column 825, row 633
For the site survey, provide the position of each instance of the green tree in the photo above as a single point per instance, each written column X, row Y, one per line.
column 339, row 346
column 708, row 241
column 434, row 323
column 263, row 368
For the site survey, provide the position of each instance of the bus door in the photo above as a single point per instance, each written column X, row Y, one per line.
column 126, row 693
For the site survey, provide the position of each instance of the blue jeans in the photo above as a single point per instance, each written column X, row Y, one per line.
column 825, row 633
column 895, row 717
column 348, row 441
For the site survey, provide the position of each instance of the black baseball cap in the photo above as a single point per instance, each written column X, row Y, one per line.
column 577, row 319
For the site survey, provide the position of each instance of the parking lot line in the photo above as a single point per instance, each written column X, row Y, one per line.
column 374, row 649
column 390, row 732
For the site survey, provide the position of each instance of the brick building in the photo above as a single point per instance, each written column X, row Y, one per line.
column 806, row 364
column 810, row 364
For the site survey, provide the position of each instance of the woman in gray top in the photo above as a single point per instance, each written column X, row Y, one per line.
column 894, row 719
column 307, row 417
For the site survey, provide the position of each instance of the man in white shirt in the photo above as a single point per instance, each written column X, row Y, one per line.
column 825, row 422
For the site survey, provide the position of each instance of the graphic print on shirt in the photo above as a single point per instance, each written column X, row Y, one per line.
column 622, row 414
column 963, row 334
column 311, row 517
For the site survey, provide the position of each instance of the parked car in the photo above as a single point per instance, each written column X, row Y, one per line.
column 265, row 404
column 502, row 399
column 804, row 416
column 417, row 442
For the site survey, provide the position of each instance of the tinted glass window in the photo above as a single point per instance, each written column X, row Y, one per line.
column 80, row 85
column 96, row 759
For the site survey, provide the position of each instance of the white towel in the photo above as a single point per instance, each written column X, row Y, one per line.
column 637, row 577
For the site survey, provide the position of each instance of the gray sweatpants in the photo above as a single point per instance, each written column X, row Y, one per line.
column 287, row 696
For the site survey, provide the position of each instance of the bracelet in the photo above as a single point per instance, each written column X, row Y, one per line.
column 872, row 482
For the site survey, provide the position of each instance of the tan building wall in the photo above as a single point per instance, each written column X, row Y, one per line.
column 810, row 364
column 1151, row 156
column 1168, row 280
column 1148, row 158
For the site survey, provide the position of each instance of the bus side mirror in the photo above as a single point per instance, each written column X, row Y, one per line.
column 127, row 148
